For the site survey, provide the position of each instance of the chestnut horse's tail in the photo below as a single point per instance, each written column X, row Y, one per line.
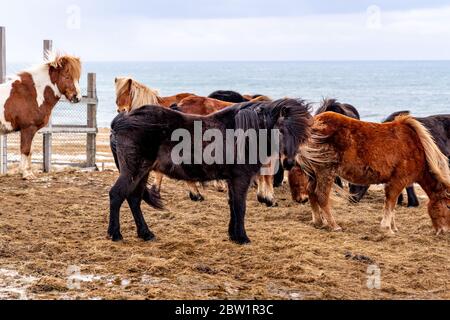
column 436, row 160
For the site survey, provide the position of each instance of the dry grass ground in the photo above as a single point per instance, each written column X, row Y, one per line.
column 57, row 225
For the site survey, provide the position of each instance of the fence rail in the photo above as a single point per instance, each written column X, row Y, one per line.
column 70, row 137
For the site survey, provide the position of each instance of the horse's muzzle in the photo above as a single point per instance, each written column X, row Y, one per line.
column 288, row 164
column 75, row 99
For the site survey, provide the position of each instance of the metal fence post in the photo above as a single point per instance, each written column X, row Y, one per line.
column 3, row 138
column 91, row 144
column 47, row 137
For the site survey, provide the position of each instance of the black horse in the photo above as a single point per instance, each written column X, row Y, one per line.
column 439, row 127
column 142, row 142
column 332, row 105
column 228, row 96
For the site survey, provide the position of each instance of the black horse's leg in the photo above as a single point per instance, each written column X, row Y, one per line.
column 232, row 225
column 413, row 202
column 339, row 183
column 279, row 176
column 134, row 201
column 357, row 192
column 117, row 197
column 131, row 181
column 400, row 199
column 238, row 200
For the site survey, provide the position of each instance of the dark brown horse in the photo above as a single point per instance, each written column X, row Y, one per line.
column 142, row 141
column 27, row 101
column 395, row 154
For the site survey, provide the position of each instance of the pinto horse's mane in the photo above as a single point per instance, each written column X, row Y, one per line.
column 59, row 60
column 140, row 93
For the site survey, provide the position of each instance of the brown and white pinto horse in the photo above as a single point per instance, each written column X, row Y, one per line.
column 27, row 100
column 395, row 154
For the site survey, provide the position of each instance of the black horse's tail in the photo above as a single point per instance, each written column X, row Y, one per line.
column 150, row 196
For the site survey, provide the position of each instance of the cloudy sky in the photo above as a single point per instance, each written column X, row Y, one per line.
column 143, row 30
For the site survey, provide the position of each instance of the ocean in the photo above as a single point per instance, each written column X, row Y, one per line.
column 375, row 88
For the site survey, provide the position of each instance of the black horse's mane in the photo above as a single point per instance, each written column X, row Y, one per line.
column 297, row 117
column 334, row 106
column 295, row 113
column 228, row 96
column 395, row 115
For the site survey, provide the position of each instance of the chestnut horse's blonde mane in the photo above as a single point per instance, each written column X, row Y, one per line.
column 436, row 160
column 141, row 95
column 58, row 60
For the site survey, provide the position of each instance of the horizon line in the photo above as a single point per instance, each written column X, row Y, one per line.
column 252, row 61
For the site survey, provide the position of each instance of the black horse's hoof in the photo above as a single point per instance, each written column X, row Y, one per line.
column 155, row 191
column 261, row 199
column 414, row 204
column 116, row 237
column 146, row 236
column 196, row 197
column 271, row 204
column 278, row 184
column 241, row 240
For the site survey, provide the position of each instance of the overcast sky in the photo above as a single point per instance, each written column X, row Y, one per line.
column 143, row 30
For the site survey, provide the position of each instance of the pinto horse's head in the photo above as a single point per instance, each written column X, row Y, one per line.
column 294, row 123
column 131, row 95
column 65, row 73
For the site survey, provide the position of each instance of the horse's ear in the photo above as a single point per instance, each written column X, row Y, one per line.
column 115, row 80
column 130, row 83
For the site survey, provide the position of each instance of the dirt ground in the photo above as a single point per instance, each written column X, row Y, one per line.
column 53, row 245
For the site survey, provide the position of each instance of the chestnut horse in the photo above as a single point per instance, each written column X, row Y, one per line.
column 298, row 180
column 439, row 127
column 131, row 95
column 332, row 105
column 395, row 154
column 28, row 99
column 200, row 105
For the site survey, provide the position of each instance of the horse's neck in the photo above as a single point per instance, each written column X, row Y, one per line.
column 41, row 79
column 433, row 188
